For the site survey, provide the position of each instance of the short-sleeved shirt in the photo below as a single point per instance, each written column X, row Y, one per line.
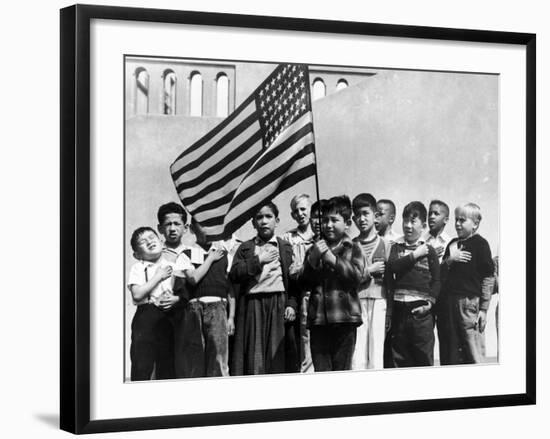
column 142, row 271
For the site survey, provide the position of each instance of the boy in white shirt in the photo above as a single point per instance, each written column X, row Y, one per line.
column 151, row 284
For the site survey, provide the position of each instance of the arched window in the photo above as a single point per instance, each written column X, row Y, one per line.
column 169, row 92
column 222, row 95
column 196, row 94
column 142, row 91
column 318, row 89
column 341, row 84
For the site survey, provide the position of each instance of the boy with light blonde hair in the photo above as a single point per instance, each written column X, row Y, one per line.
column 468, row 273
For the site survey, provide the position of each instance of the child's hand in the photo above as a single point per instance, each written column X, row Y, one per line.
column 230, row 326
column 270, row 255
column 420, row 251
column 164, row 272
column 439, row 250
column 482, row 320
column 215, row 254
column 377, row 269
column 167, row 301
column 422, row 310
column 316, row 252
column 456, row 255
column 290, row 314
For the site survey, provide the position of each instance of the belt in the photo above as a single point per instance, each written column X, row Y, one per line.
column 207, row 299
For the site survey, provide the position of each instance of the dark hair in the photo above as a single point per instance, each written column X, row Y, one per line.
column 441, row 204
column 390, row 203
column 172, row 207
column 319, row 206
column 137, row 234
column 340, row 205
column 363, row 200
column 416, row 209
column 271, row 205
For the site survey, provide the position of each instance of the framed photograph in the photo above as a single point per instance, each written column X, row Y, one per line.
column 276, row 218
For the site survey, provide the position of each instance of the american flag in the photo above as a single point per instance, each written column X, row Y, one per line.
column 263, row 148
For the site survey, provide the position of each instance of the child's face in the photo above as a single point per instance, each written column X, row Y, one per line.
column 172, row 228
column 437, row 218
column 315, row 222
column 300, row 213
column 334, row 227
column 412, row 228
column 464, row 225
column 383, row 217
column 149, row 247
column 364, row 219
column 265, row 222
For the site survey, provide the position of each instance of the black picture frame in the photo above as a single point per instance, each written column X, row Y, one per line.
column 75, row 217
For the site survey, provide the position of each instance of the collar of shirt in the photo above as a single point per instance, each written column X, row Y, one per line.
column 260, row 242
column 419, row 241
column 442, row 237
column 176, row 251
column 306, row 236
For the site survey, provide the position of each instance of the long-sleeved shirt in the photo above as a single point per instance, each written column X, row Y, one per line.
column 418, row 277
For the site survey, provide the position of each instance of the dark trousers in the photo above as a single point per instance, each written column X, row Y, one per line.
column 332, row 346
column 205, row 340
column 459, row 336
column 412, row 337
column 152, row 346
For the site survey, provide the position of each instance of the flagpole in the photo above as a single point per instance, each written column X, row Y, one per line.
column 314, row 146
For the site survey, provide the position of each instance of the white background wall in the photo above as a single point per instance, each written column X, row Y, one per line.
column 30, row 218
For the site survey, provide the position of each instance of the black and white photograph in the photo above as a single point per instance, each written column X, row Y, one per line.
column 269, row 219
column 294, row 218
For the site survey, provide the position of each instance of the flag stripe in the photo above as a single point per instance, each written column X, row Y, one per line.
column 218, row 210
column 285, row 184
column 277, row 149
column 250, row 188
column 195, row 163
column 230, row 183
column 302, row 158
column 212, row 133
column 263, row 148
column 211, row 194
column 249, row 149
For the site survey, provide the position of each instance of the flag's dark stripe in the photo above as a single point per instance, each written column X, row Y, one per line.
column 234, row 132
column 287, row 183
column 269, row 156
column 208, row 136
column 240, row 170
column 273, row 175
column 273, row 153
column 267, row 179
column 235, row 154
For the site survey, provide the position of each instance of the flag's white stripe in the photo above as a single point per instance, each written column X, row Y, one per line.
column 252, row 179
column 222, row 175
column 287, row 132
column 266, row 168
column 219, row 156
column 266, row 191
column 233, row 184
column 181, row 162
column 213, row 230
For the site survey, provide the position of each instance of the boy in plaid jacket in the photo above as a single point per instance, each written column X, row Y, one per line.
column 332, row 271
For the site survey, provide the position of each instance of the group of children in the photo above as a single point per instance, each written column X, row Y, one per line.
column 313, row 299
